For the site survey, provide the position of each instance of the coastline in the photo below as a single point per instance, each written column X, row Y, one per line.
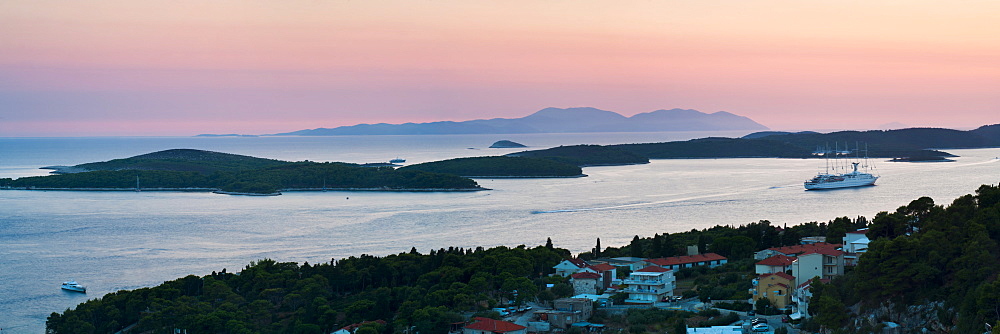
column 218, row 191
column 235, row 193
column 527, row 177
column 390, row 189
column 113, row 189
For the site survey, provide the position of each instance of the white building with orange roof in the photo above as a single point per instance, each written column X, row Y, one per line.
column 710, row 260
column 649, row 285
column 824, row 263
column 793, row 250
column 775, row 264
column 570, row 266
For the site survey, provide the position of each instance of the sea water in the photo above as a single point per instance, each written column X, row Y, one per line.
column 125, row 240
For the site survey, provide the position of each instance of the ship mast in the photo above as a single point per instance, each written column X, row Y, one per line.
column 826, row 155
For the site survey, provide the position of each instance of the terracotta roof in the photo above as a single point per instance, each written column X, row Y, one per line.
column 777, row 260
column 578, row 262
column 825, row 251
column 602, row 267
column 782, row 285
column 654, row 269
column 800, row 249
column 586, row 275
column 495, row 326
column 807, row 283
column 676, row 260
column 782, row 275
column 351, row 327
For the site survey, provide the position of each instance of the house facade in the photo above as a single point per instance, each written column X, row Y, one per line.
column 800, row 299
column 568, row 311
column 609, row 274
column 776, row 288
column 855, row 244
column 649, row 285
column 822, row 263
column 586, row 282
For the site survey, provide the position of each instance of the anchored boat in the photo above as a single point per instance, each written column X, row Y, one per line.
column 854, row 178
column 74, row 286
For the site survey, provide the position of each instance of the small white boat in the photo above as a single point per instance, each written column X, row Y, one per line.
column 74, row 286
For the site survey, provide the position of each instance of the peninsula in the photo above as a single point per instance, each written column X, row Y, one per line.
column 913, row 144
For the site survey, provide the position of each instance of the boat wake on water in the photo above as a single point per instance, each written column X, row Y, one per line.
column 636, row 205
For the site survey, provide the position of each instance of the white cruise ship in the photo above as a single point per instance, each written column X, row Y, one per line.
column 854, row 178
column 847, row 180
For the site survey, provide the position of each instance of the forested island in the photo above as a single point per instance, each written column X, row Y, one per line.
column 914, row 144
column 928, row 266
column 499, row 167
column 196, row 170
column 506, row 144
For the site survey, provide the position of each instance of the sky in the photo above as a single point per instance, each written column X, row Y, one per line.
column 179, row 67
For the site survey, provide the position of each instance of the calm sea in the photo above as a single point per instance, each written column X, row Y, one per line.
column 125, row 240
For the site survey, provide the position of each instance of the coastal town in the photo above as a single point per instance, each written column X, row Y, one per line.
column 782, row 278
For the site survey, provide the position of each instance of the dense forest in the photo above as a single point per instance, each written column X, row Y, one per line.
column 298, row 175
column 424, row 291
column 585, row 155
column 939, row 264
column 501, row 166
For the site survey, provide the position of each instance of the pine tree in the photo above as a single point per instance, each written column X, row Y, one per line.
column 548, row 243
column 597, row 250
column 635, row 248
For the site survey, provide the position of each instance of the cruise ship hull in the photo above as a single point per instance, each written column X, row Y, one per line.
column 848, row 182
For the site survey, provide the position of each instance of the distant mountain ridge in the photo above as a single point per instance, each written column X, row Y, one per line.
column 556, row 120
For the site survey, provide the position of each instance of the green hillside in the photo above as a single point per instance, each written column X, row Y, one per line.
column 188, row 160
column 586, row 155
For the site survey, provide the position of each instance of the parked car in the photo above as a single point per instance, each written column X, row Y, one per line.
column 751, row 313
column 761, row 327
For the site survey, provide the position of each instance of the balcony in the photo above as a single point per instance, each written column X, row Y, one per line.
column 639, row 301
column 643, row 282
column 646, row 291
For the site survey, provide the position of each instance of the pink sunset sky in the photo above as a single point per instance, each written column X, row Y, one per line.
column 124, row 67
